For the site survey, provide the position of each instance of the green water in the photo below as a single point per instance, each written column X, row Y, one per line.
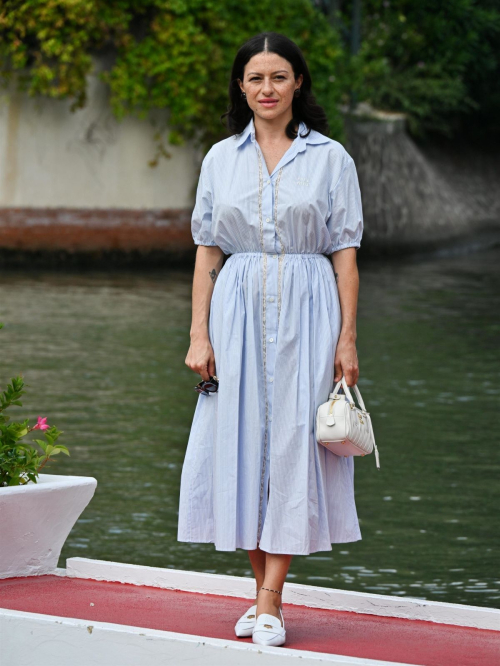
column 104, row 354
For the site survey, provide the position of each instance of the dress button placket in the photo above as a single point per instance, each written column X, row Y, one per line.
column 271, row 274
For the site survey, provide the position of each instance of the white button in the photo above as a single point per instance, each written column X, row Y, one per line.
column 268, row 182
column 268, row 219
column 271, row 379
column 271, row 299
column 271, row 339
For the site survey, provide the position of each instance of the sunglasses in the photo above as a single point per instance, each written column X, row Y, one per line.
column 208, row 386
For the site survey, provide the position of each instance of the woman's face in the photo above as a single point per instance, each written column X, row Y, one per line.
column 268, row 76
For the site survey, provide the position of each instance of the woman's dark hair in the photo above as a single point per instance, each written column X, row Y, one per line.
column 304, row 107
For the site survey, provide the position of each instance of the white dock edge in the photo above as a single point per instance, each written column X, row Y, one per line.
column 293, row 593
column 59, row 641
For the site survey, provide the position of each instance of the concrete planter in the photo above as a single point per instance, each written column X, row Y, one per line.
column 36, row 519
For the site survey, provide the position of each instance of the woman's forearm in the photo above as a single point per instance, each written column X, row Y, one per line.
column 347, row 278
column 209, row 260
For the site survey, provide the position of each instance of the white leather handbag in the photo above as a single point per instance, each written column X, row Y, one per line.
column 344, row 428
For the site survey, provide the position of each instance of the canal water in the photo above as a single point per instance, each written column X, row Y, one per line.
column 103, row 356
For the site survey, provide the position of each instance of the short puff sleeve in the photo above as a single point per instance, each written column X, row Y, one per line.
column 345, row 223
column 201, row 219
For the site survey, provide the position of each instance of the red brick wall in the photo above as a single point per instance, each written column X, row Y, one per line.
column 85, row 230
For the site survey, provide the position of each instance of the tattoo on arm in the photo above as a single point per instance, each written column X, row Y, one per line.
column 213, row 275
column 336, row 277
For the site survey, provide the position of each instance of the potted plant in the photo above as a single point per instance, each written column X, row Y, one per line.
column 37, row 511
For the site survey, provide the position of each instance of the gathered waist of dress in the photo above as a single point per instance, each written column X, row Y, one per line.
column 277, row 254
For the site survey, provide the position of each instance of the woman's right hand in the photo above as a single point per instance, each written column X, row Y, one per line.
column 200, row 357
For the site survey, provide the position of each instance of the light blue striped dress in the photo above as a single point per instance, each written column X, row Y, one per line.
column 253, row 470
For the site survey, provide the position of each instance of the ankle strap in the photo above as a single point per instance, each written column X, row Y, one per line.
column 268, row 588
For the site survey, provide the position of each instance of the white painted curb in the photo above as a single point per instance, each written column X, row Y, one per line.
column 293, row 593
column 48, row 640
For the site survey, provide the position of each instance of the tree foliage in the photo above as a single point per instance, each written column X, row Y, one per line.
column 163, row 54
column 433, row 61
column 438, row 62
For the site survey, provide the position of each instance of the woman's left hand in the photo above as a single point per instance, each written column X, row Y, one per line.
column 346, row 360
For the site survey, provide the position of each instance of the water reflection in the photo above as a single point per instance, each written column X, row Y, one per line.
column 104, row 357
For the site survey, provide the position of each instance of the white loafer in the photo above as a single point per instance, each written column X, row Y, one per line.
column 246, row 623
column 269, row 630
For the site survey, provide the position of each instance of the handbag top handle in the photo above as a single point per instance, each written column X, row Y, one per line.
column 342, row 382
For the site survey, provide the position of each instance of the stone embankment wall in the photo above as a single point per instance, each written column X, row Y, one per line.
column 422, row 195
column 79, row 183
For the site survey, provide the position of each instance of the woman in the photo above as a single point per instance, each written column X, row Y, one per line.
column 276, row 324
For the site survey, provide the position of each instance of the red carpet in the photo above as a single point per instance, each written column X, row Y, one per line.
column 335, row 632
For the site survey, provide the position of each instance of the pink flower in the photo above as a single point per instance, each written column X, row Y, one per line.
column 42, row 424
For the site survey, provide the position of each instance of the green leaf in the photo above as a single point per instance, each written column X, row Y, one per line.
column 42, row 444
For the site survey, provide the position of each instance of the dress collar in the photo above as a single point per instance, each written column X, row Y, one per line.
column 249, row 131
